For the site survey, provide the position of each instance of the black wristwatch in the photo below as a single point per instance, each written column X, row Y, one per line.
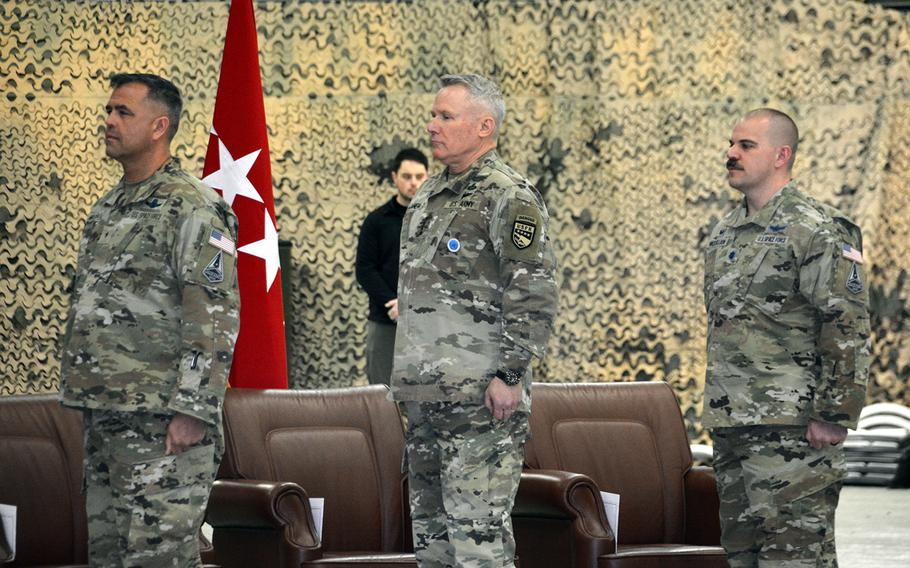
column 509, row 377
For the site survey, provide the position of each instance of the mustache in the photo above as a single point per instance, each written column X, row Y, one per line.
column 733, row 165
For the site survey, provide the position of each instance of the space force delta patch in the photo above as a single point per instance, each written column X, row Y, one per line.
column 214, row 272
column 854, row 280
column 523, row 230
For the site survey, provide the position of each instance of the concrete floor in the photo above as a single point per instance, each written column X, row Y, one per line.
column 873, row 527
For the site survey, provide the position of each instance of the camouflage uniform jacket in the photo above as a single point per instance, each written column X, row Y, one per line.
column 477, row 284
column 154, row 311
column 788, row 324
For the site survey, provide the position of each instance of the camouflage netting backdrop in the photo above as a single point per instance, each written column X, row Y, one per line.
column 619, row 111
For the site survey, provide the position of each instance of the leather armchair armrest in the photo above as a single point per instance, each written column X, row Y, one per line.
column 702, row 507
column 549, row 499
column 560, row 494
column 247, row 514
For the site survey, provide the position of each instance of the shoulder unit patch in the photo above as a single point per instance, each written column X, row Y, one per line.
column 854, row 280
column 214, row 272
column 523, row 230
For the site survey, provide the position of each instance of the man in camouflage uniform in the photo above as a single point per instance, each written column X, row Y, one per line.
column 148, row 346
column 788, row 354
column 477, row 297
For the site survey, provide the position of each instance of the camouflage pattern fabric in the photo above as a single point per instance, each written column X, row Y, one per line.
column 463, row 473
column 155, row 309
column 153, row 319
column 788, row 342
column 777, row 497
column 144, row 508
column 788, row 323
column 477, row 284
column 476, row 294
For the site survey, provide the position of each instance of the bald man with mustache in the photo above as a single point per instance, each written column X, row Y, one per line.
column 788, row 353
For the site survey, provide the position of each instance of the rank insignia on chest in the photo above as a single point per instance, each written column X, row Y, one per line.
column 214, row 272
column 854, row 280
column 523, row 231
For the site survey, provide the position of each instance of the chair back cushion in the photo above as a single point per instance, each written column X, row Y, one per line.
column 629, row 438
column 343, row 445
column 41, row 450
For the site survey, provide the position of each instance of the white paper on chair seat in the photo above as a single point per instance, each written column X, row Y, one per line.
column 8, row 520
column 611, row 508
column 317, row 504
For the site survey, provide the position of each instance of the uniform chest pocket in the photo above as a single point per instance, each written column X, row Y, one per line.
column 460, row 240
column 723, row 279
column 137, row 253
column 772, row 279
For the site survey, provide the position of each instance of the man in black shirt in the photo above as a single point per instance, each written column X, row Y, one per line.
column 377, row 262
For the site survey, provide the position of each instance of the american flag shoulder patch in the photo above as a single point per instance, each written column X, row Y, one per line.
column 219, row 241
column 852, row 254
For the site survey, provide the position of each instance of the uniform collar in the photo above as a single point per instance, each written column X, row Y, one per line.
column 456, row 183
column 146, row 189
column 766, row 214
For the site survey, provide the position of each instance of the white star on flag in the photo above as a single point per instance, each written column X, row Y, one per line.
column 267, row 250
column 231, row 177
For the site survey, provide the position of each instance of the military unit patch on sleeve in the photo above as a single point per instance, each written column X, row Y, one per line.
column 214, row 272
column 854, row 280
column 523, row 230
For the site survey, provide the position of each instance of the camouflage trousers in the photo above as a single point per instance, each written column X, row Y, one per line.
column 144, row 508
column 777, row 497
column 463, row 472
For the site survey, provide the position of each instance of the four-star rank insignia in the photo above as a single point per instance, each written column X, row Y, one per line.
column 523, row 231
column 214, row 272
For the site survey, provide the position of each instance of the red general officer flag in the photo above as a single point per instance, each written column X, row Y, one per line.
column 237, row 166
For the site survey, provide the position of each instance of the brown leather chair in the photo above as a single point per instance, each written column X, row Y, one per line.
column 626, row 438
column 41, row 449
column 41, row 473
column 284, row 446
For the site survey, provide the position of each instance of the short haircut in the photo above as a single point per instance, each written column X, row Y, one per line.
column 482, row 90
column 411, row 154
column 782, row 128
column 160, row 90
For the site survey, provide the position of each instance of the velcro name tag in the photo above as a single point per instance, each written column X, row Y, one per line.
column 719, row 241
column 771, row 239
column 464, row 203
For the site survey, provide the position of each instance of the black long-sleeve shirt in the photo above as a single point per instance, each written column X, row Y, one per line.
column 377, row 257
